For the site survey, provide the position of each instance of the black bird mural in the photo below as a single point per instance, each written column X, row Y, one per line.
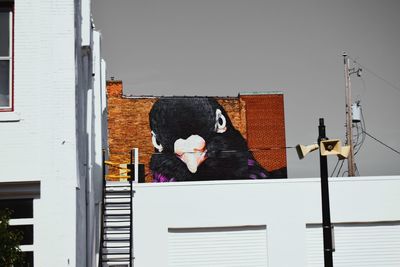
column 195, row 140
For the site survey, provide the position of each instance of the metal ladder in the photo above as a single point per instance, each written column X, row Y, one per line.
column 116, row 223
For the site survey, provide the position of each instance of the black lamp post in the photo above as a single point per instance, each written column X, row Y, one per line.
column 326, row 216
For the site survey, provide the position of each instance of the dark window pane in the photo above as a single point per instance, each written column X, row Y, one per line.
column 28, row 259
column 4, row 83
column 27, row 233
column 20, row 208
column 4, row 33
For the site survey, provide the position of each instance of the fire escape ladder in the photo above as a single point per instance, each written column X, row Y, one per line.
column 116, row 225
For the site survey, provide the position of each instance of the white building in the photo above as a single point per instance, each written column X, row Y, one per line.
column 266, row 223
column 52, row 127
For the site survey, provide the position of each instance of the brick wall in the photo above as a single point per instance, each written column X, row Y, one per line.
column 128, row 125
column 266, row 129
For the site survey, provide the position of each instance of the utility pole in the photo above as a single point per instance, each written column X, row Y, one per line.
column 349, row 121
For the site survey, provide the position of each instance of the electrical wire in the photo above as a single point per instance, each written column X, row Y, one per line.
column 382, row 143
column 364, row 85
column 363, row 126
column 358, row 173
column 337, row 163
column 365, row 133
column 360, row 135
column 340, row 168
column 219, row 151
column 240, row 151
column 357, row 138
column 376, row 75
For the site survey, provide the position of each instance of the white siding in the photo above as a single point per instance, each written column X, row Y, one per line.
column 98, row 107
column 286, row 207
column 86, row 23
column 45, row 139
column 358, row 244
column 218, row 246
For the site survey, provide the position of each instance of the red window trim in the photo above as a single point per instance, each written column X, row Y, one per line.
column 12, row 7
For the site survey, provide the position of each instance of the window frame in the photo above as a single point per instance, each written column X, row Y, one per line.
column 27, row 193
column 10, row 5
column 26, row 247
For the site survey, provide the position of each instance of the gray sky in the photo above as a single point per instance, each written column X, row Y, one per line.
column 223, row 47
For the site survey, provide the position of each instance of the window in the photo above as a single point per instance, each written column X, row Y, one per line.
column 20, row 198
column 22, row 220
column 6, row 53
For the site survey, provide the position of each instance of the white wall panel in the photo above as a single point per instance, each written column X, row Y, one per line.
column 358, row 244
column 218, row 246
column 284, row 206
column 86, row 22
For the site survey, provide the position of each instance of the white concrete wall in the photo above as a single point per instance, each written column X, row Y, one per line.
column 41, row 144
column 96, row 131
column 46, row 137
column 86, row 22
column 284, row 206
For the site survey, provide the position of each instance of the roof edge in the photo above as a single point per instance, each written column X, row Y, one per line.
column 261, row 93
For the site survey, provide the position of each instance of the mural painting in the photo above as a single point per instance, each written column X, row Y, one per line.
column 194, row 140
column 199, row 138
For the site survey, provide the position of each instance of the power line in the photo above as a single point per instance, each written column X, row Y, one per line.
column 262, row 149
column 382, row 143
column 337, row 163
column 362, row 133
column 237, row 151
column 377, row 75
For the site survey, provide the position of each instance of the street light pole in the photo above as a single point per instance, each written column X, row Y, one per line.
column 326, row 216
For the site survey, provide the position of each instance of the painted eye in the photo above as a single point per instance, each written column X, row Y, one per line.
column 220, row 121
column 155, row 142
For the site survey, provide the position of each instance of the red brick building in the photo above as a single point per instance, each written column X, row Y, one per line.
column 258, row 116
